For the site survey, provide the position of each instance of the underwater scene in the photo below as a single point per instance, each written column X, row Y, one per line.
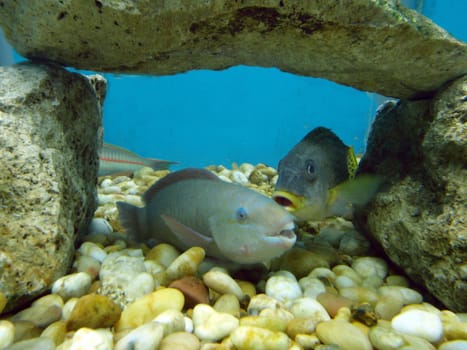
column 225, row 175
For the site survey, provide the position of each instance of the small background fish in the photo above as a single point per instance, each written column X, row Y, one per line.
column 317, row 178
column 117, row 160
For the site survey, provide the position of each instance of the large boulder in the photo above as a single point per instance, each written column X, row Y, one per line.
column 50, row 129
column 419, row 219
column 371, row 45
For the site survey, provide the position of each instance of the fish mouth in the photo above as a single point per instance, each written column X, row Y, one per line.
column 289, row 201
column 285, row 234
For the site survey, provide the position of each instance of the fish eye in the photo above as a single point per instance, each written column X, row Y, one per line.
column 241, row 214
column 310, row 170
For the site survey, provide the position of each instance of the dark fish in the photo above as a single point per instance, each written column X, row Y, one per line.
column 317, row 178
column 193, row 207
column 118, row 160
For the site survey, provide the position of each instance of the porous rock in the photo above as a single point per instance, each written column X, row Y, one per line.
column 50, row 126
column 419, row 218
column 371, row 45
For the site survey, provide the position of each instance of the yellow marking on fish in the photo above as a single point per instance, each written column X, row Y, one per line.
column 289, row 201
column 352, row 163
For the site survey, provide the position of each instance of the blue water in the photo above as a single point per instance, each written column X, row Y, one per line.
column 242, row 114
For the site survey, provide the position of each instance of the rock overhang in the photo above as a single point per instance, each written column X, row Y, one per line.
column 371, row 45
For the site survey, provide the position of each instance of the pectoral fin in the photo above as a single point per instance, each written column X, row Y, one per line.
column 343, row 198
column 186, row 234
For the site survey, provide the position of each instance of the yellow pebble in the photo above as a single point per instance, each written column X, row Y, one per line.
column 149, row 306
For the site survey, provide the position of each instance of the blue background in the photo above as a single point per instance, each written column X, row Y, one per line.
column 242, row 114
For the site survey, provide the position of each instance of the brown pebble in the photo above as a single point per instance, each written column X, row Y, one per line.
column 193, row 289
column 332, row 303
column 94, row 311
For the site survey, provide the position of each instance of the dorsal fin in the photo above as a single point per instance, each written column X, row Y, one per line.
column 181, row 175
column 352, row 163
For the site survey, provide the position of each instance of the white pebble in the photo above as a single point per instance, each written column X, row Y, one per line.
column 344, row 282
column 454, row 345
column 88, row 264
column 282, row 286
column 38, row 343
column 92, row 249
column 370, row 266
column 311, row 286
column 112, row 190
column 73, row 285
column 7, row 333
column 86, row 338
column 106, row 183
column 145, row 337
column 142, row 284
column 68, row 308
column 211, row 325
column 222, row 283
column 104, row 199
column 247, row 169
column 261, row 302
column 419, row 323
column 308, row 308
column 409, row 296
column 99, row 225
column 323, row 273
column 171, row 320
column 383, row 338
column 238, row 177
column 248, row 337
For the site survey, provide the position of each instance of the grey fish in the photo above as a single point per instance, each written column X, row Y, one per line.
column 118, row 160
column 317, row 178
column 193, row 207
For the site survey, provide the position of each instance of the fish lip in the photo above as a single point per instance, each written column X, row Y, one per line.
column 285, row 232
column 288, row 200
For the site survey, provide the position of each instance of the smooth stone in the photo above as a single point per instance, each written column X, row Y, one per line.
column 7, row 333
column 409, row 296
column 26, row 330
column 99, row 225
column 255, row 338
column 271, row 323
column 94, row 311
column 455, row 330
column 86, row 338
column 370, row 266
column 332, row 302
column 93, row 250
column 73, row 285
column 419, row 323
column 171, row 320
column 33, row 344
column 211, row 325
column 229, row 304
column 282, row 286
column 3, row 301
column 222, row 283
column 323, row 273
column 454, row 345
column 300, row 326
column 145, row 337
column 126, row 274
column 186, row 264
column 343, row 334
column 89, row 265
column 193, row 289
column 383, row 338
column 149, row 306
column 180, row 341
column 68, row 308
column 360, row 295
column 311, row 286
column 389, row 305
column 344, row 270
column 300, row 261
column 262, row 301
column 308, row 308
column 40, row 316
column 56, row 332
column 306, row 341
column 417, row 343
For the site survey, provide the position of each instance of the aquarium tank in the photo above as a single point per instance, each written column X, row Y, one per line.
column 243, row 114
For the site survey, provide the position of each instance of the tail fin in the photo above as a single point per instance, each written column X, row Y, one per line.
column 129, row 219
